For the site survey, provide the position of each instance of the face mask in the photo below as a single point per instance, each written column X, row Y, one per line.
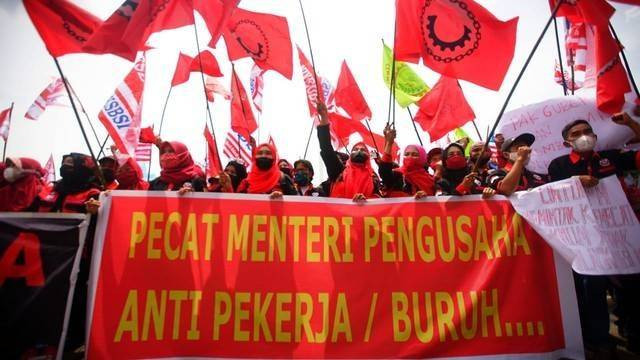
column 126, row 176
column 66, row 171
column 584, row 143
column 235, row 180
column 301, row 179
column 411, row 162
column 12, row 174
column 513, row 157
column 434, row 165
column 168, row 161
column 286, row 170
column 359, row 157
column 456, row 162
column 264, row 163
column 109, row 174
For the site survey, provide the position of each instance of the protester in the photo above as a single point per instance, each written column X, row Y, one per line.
column 434, row 158
column 23, row 177
column 3, row 182
column 265, row 176
column 303, row 179
column 515, row 176
column 77, row 186
column 178, row 170
column 286, row 167
column 229, row 180
column 457, row 177
column 353, row 180
column 129, row 177
column 591, row 290
column 413, row 178
column 109, row 167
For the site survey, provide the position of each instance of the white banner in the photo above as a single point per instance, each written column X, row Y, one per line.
column 546, row 119
column 594, row 229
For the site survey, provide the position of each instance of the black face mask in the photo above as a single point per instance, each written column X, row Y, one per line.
column 109, row 174
column 359, row 157
column 264, row 163
column 235, row 180
column 286, row 170
column 301, row 179
column 66, row 172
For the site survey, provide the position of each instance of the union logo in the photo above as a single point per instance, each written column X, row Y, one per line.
column 252, row 39
column 453, row 38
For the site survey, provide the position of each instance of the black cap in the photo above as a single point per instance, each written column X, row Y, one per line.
column 566, row 128
column 525, row 138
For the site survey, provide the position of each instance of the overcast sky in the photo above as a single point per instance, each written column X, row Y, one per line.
column 339, row 29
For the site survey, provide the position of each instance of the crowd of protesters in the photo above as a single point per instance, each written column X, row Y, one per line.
column 440, row 171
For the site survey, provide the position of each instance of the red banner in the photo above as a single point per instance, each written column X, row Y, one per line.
column 210, row 275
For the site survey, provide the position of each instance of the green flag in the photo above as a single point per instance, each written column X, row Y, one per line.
column 409, row 87
column 458, row 134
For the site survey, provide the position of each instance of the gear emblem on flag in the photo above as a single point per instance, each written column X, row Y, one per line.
column 252, row 39
column 447, row 50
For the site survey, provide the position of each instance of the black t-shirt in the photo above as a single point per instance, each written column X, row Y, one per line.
column 528, row 179
column 600, row 165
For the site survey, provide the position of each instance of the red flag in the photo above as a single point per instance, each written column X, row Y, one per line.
column 5, row 123
column 327, row 91
column 214, row 167
column 459, row 39
column 147, row 136
column 595, row 12
column 53, row 94
column 216, row 15
column 186, row 65
column 121, row 115
column 262, row 37
column 443, row 109
column 242, row 119
column 343, row 127
column 349, row 97
column 63, row 26
column 126, row 31
column 214, row 86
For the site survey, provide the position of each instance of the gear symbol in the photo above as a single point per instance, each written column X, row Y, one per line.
column 451, row 45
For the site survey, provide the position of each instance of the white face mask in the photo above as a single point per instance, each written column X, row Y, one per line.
column 514, row 156
column 584, row 143
column 12, row 174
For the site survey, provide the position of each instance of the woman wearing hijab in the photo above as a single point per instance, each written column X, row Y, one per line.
column 286, row 167
column 23, row 177
column 456, row 174
column 265, row 176
column 129, row 177
column 230, row 178
column 412, row 178
column 352, row 180
column 178, row 170
column 109, row 167
column 77, row 186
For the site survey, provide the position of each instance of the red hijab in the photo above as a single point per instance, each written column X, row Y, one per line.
column 182, row 168
column 414, row 171
column 18, row 196
column 129, row 177
column 263, row 181
column 356, row 179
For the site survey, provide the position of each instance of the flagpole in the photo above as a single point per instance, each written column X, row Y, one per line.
column 624, row 59
column 75, row 111
column 75, row 95
column 415, row 128
column 4, row 147
column 515, row 84
column 204, row 89
column 475, row 126
column 572, row 63
column 392, row 88
column 104, row 142
column 564, row 83
column 308, row 141
column 164, row 108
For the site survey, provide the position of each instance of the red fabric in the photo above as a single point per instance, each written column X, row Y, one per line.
column 349, row 97
column 242, row 120
column 19, row 195
column 443, row 109
column 212, row 86
column 589, row 11
column 415, row 173
column 311, row 87
column 147, row 136
column 343, row 127
column 186, row 65
column 63, row 26
column 184, row 170
column 356, row 179
column 216, row 14
column 126, row 31
column 5, row 123
column 451, row 43
column 214, row 166
column 130, row 178
column 263, row 181
column 262, row 37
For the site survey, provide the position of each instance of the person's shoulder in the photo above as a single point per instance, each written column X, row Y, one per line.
column 559, row 161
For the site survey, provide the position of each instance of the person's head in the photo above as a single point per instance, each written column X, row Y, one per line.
column 414, row 156
column 303, row 172
column 359, row 153
column 109, row 166
column 236, row 171
column 19, row 168
column 579, row 135
column 127, row 175
column 265, row 156
column 77, row 168
column 174, row 155
column 480, row 153
column 453, row 157
column 510, row 146
column 285, row 167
